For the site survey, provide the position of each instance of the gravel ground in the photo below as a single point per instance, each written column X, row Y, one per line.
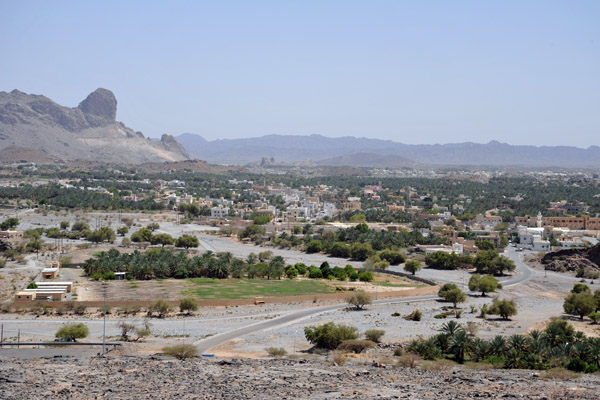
column 155, row 377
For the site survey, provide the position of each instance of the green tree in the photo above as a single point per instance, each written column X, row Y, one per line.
column 123, row 230
column 64, row 225
column 330, row 335
column 460, row 345
column 80, row 226
column 142, row 235
column 153, row 226
column 9, row 223
column 484, row 284
column 392, row 256
column 188, row 304
column 163, row 239
column 315, row 246
column 451, row 293
column 72, row 331
column 485, row 245
column 412, row 266
column 504, row 308
column 359, row 300
column 581, row 304
column 187, row 241
column 361, row 251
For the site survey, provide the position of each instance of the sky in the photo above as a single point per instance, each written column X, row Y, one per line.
column 417, row 72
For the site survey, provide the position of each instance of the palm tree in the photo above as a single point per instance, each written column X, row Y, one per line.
column 460, row 345
column 481, row 349
column 498, row 345
column 451, row 327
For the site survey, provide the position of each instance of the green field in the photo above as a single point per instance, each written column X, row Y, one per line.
column 210, row 289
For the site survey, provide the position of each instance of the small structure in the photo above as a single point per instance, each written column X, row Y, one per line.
column 25, row 296
column 11, row 234
column 53, row 293
column 259, row 300
column 119, row 276
column 50, row 273
column 68, row 286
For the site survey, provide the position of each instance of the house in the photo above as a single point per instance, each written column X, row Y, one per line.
column 219, row 212
column 50, row 273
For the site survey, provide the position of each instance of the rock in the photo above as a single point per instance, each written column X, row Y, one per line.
column 100, row 103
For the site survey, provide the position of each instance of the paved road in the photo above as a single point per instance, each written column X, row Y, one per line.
column 210, row 342
column 524, row 273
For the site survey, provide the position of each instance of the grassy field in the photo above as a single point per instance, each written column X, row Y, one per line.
column 249, row 288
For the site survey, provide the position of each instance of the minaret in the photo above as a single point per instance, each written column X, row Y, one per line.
column 539, row 219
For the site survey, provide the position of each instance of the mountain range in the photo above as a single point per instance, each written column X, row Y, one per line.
column 35, row 127
column 352, row 151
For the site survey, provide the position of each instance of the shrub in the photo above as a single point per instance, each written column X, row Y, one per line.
column 315, row 246
column 407, row 360
column 126, row 330
column 181, row 351
column 582, row 303
column 366, row 276
column 355, row 345
column 374, row 335
column 188, row 304
column 79, row 308
column 145, row 330
column 414, row 316
column 315, row 273
column 276, row 351
column 359, row 300
column 412, row 266
column 330, row 335
column 339, row 358
column 160, row 306
column 32, row 285
column 559, row 373
column 73, row 331
column 291, row 272
column 595, row 317
column 353, row 276
column 451, row 293
column 505, row 308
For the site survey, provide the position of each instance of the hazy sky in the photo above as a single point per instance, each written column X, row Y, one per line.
column 522, row 72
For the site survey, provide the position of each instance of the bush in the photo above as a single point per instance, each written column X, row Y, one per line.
column 276, row 351
column 412, row 266
column 32, row 285
column 315, row 273
column 188, row 304
column 359, row 300
column 504, row 308
column 330, row 335
column 366, row 276
column 374, row 335
column 315, row 246
column 160, row 306
column 181, row 351
column 73, row 331
column 451, row 293
column 414, row 316
column 356, row 345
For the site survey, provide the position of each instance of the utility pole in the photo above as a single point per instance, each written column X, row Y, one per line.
column 104, row 324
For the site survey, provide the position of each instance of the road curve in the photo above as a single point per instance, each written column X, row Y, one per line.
column 524, row 274
column 212, row 341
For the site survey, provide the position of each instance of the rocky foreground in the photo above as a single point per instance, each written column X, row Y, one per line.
column 159, row 378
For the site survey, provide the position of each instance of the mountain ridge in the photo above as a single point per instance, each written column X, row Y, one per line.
column 294, row 148
column 87, row 132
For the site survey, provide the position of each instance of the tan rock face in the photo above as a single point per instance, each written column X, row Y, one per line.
column 87, row 132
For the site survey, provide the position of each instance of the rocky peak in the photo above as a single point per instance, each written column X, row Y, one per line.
column 171, row 144
column 100, row 103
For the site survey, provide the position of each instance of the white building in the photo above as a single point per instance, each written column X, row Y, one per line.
column 219, row 212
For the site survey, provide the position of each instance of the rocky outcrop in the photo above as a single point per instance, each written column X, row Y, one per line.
column 172, row 145
column 160, row 378
column 87, row 132
column 573, row 260
column 101, row 104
